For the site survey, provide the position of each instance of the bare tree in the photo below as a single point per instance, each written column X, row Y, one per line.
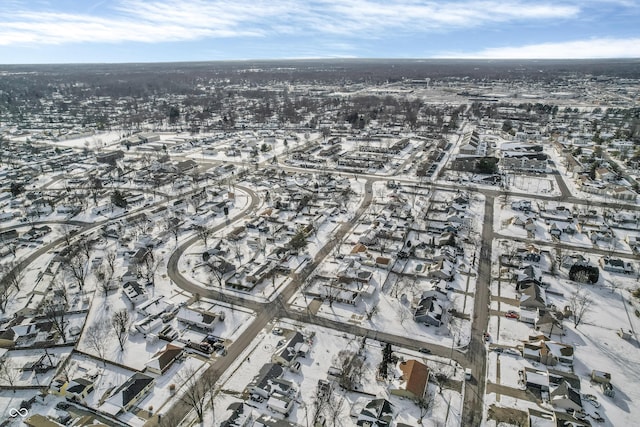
column 148, row 267
column 85, row 246
column 216, row 274
column 401, row 286
column 579, row 304
column 96, row 339
column 210, row 379
column 237, row 249
column 5, row 293
column 11, row 247
column 77, row 265
column 203, row 232
column 335, row 408
column 441, row 376
column 321, row 400
column 54, row 310
column 333, row 290
column 195, row 391
column 352, row 366
column 404, row 314
column 103, row 279
column 68, row 231
column 173, row 225
column 424, row 403
column 110, row 256
column 14, row 277
column 120, row 323
column 196, row 198
column 9, row 373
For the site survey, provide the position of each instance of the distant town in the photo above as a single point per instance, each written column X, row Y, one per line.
column 319, row 244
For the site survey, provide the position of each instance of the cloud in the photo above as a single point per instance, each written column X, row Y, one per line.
column 138, row 21
column 576, row 49
column 170, row 20
column 375, row 16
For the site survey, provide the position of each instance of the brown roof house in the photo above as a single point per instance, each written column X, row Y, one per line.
column 414, row 380
column 162, row 360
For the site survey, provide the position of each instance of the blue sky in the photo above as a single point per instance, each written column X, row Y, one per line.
column 68, row 31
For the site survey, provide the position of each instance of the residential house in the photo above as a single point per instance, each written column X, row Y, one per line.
column 377, row 413
column 44, row 363
column 556, row 377
column 521, row 205
column 269, row 421
column 446, row 239
column 76, row 389
column 536, row 379
column 604, row 174
column 441, row 269
column 369, row 238
column 199, row 318
column 163, row 359
column 621, row 192
column 533, row 297
column 238, row 414
column 529, row 315
column 429, row 311
column 554, row 230
column 527, row 276
column 280, row 403
column 353, row 271
column 615, row 265
column 633, row 242
column 269, row 381
column 538, row 418
column 383, row 262
column 125, row 397
column 414, row 379
column 530, row 224
column 548, row 352
column 135, row 292
column 261, row 272
column 549, row 322
column 296, row 347
column 564, row 419
column 604, row 235
column 8, row 236
column 31, row 332
column 566, row 397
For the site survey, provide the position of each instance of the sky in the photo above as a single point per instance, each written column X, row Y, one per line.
column 111, row 31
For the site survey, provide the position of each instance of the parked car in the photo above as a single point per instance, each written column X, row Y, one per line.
column 512, row 314
column 62, row 405
column 277, row 331
column 512, row 351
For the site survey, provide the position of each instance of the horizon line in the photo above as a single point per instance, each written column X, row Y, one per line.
column 335, row 58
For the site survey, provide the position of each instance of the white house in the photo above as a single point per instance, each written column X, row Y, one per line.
column 135, row 292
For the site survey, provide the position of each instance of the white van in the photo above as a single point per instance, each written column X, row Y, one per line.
column 467, row 374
